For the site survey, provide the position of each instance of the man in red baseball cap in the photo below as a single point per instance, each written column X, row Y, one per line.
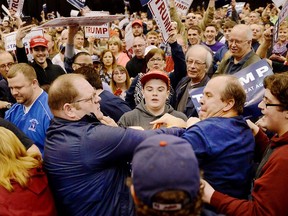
column 46, row 71
column 137, row 28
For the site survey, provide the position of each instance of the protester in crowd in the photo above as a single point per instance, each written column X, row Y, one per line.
column 198, row 61
column 242, row 55
column 120, row 82
column 110, row 104
column 98, row 151
column 136, row 64
column 108, row 64
column 115, row 45
column 161, row 185
column 210, row 34
column 79, row 42
column 269, row 187
column 31, row 113
column 156, row 87
column 23, row 184
column 151, row 25
column 58, row 59
column 51, row 45
column 45, row 70
column 257, row 36
column 155, row 60
column 215, row 139
column 6, row 98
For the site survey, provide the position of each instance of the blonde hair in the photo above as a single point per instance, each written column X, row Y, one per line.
column 15, row 162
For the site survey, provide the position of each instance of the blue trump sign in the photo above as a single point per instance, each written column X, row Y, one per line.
column 251, row 79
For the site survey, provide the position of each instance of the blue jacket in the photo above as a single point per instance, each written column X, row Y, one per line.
column 225, row 150
column 87, row 165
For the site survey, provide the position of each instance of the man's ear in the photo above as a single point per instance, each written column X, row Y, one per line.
column 230, row 105
column 69, row 110
column 133, row 194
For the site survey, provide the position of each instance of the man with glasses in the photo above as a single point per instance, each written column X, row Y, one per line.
column 46, row 71
column 269, row 190
column 87, row 161
column 31, row 113
column 242, row 54
column 6, row 99
column 198, row 62
column 136, row 64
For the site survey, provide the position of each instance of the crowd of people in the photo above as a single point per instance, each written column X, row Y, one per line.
column 107, row 126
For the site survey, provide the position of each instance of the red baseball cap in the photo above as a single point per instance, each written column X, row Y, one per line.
column 137, row 21
column 38, row 41
column 155, row 75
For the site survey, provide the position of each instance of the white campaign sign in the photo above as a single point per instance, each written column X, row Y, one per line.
column 97, row 31
column 160, row 11
column 183, row 6
column 16, row 5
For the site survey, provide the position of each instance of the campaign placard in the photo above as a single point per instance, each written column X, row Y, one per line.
column 251, row 79
column 81, row 21
column 97, row 31
column 160, row 12
column 16, row 5
column 182, row 6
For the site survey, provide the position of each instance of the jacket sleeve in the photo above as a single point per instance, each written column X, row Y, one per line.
column 129, row 98
column 116, row 144
column 180, row 69
column 269, row 195
column 21, row 55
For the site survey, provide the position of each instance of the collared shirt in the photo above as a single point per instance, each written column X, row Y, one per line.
column 233, row 68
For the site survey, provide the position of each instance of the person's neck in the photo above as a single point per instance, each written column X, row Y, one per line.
column 36, row 93
column 121, row 86
column 238, row 59
column 197, row 79
column 44, row 65
column 211, row 42
column 155, row 111
column 116, row 54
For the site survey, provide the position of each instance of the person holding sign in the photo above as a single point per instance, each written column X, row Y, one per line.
column 46, row 71
column 270, row 188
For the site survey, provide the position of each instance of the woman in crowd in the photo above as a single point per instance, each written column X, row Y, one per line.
column 23, row 184
column 115, row 45
column 120, row 81
column 109, row 63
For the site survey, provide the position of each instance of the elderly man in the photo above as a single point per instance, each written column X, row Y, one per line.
column 270, row 188
column 93, row 157
column 31, row 113
column 242, row 54
column 198, row 61
column 222, row 140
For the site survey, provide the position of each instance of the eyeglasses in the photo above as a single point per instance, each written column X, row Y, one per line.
column 138, row 45
column 264, row 99
column 195, row 62
column 92, row 98
column 3, row 66
column 156, row 59
column 83, row 64
column 237, row 42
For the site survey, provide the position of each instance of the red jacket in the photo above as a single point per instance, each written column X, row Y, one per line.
column 269, row 195
column 34, row 200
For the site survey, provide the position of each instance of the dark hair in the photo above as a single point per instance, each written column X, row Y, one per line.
column 91, row 75
column 79, row 54
column 278, row 85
